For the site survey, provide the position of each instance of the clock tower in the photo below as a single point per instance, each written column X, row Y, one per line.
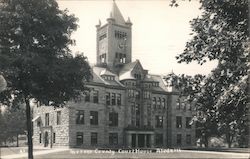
column 113, row 41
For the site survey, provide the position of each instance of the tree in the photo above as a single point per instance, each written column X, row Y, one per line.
column 12, row 123
column 221, row 34
column 35, row 57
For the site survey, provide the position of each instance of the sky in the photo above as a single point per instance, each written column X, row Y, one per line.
column 159, row 32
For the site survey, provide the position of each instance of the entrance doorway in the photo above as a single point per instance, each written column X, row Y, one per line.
column 141, row 140
column 46, row 139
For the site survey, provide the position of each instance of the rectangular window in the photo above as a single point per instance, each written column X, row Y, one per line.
column 137, row 113
column 108, row 98
column 159, row 121
column 154, row 102
column 163, row 103
column 131, row 93
column 58, row 117
column 113, row 139
column 113, row 119
column 159, row 139
column 79, row 138
column 113, row 98
column 40, row 138
column 118, row 100
column 95, row 97
column 47, row 119
column 178, row 139
column 183, row 105
column 178, row 122
column 178, row 104
column 133, row 113
column 137, row 94
column 188, row 139
column 146, row 94
column 54, row 137
column 87, row 97
column 149, row 115
column 188, row 121
column 80, row 117
column 38, row 123
column 93, row 118
column 159, row 103
column 93, row 138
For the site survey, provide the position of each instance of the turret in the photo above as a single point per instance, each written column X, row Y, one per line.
column 99, row 24
column 128, row 22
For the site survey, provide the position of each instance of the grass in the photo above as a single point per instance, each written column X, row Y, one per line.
column 14, row 150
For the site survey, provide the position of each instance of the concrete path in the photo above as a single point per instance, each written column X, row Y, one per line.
column 36, row 153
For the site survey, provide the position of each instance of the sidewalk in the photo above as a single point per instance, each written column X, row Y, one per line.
column 36, row 153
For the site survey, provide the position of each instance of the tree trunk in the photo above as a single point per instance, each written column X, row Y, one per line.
column 206, row 141
column 29, row 129
column 17, row 141
column 228, row 138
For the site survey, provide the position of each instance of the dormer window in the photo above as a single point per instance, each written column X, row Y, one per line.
column 155, row 84
column 108, row 77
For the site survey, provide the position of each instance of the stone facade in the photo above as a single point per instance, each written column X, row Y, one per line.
column 40, row 128
column 125, row 107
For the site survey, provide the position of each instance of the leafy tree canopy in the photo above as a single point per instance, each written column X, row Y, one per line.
column 221, row 33
column 35, row 57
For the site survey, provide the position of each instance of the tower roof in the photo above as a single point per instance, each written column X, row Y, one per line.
column 116, row 14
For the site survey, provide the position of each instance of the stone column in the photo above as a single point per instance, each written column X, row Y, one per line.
column 152, row 141
column 145, row 140
column 129, row 140
column 136, row 140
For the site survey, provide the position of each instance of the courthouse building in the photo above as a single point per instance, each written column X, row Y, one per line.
column 126, row 106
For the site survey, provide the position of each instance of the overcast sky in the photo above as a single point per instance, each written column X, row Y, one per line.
column 159, row 32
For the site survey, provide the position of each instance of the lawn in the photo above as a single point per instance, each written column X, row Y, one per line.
column 14, row 150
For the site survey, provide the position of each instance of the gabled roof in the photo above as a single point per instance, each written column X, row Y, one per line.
column 116, row 14
column 158, row 78
column 125, row 72
column 128, row 67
